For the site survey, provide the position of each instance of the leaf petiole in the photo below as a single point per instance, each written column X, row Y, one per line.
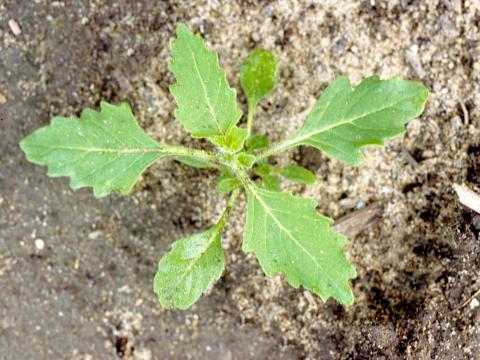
column 274, row 149
column 206, row 156
column 251, row 111
column 228, row 208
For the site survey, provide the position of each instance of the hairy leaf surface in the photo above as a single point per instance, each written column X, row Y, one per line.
column 105, row 150
column 206, row 103
column 287, row 235
column 345, row 119
column 189, row 268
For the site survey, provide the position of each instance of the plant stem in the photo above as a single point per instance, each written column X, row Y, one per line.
column 251, row 110
column 203, row 155
column 228, row 209
column 281, row 146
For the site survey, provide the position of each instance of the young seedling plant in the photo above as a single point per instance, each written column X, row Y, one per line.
column 108, row 151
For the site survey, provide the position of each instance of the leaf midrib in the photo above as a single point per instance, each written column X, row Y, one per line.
column 197, row 258
column 103, row 150
column 210, row 109
column 332, row 282
column 267, row 209
column 296, row 140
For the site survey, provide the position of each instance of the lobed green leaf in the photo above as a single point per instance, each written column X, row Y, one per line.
column 287, row 235
column 346, row 119
column 206, row 103
column 189, row 269
column 105, row 150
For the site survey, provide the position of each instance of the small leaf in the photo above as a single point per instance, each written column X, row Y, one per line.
column 193, row 162
column 234, row 140
column 345, row 119
column 206, row 103
column 105, row 150
column 289, row 236
column 298, row 174
column 246, row 160
column 263, row 169
column 257, row 142
column 226, row 184
column 271, row 182
column 189, row 269
column 226, row 172
column 258, row 75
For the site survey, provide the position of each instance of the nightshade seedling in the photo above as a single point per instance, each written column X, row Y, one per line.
column 108, row 151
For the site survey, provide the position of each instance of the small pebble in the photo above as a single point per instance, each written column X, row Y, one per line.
column 456, row 122
column 348, row 203
column 255, row 37
column 39, row 244
column 468, row 197
column 361, row 204
column 3, row 98
column 474, row 303
column 14, row 27
column 476, row 222
column 94, row 235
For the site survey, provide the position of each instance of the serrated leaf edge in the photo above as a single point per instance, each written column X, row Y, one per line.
column 214, row 237
column 313, row 203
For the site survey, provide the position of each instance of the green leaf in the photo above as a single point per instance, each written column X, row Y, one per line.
column 189, row 269
column 257, row 142
column 271, row 182
column 289, row 236
column 105, row 150
column 193, row 162
column 258, row 75
column 206, row 104
column 226, row 184
column 263, row 169
column 298, row 174
column 232, row 141
column 345, row 119
column 246, row 160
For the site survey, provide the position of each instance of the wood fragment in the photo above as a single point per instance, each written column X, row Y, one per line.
column 466, row 302
column 466, row 119
column 412, row 58
column 468, row 197
column 354, row 223
column 410, row 159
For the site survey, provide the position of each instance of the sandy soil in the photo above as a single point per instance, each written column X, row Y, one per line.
column 87, row 293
